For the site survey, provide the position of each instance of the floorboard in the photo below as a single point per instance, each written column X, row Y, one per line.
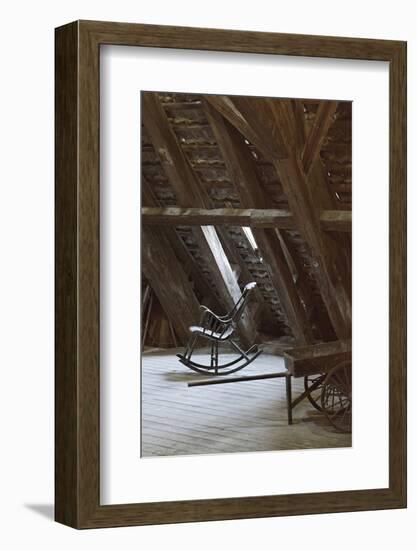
column 241, row 417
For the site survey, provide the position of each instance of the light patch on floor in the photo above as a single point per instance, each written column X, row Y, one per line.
column 240, row 417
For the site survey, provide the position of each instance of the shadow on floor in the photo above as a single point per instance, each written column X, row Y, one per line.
column 45, row 510
column 182, row 376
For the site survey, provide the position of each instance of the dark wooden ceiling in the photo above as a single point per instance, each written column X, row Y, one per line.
column 206, row 159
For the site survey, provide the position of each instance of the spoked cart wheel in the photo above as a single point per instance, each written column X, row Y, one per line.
column 313, row 384
column 336, row 397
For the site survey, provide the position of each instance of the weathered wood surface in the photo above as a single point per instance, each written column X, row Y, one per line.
column 160, row 265
column 173, row 162
column 246, row 182
column 190, row 267
column 242, row 417
column 283, row 281
column 325, row 199
column 331, row 220
column 323, row 120
column 269, row 125
column 189, row 194
column 193, row 270
column 309, row 194
column 307, row 360
column 219, row 177
column 336, row 220
column 249, row 217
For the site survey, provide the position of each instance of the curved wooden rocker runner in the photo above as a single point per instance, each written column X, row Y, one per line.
column 220, row 330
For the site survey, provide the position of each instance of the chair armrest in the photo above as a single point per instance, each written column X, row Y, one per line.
column 221, row 318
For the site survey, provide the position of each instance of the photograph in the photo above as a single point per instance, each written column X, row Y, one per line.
column 246, row 274
column 209, row 249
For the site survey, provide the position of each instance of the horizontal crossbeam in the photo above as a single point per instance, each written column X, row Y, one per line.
column 331, row 220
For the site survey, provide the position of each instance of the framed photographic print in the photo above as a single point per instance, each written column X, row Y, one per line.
column 230, row 274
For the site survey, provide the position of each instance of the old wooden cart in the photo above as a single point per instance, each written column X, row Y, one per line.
column 327, row 372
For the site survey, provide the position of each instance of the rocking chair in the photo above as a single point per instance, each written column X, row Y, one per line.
column 219, row 330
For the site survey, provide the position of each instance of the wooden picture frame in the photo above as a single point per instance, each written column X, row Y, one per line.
column 77, row 430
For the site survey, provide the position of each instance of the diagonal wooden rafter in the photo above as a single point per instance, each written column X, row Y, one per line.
column 265, row 120
column 242, row 173
column 310, row 195
column 160, row 264
column 309, row 147
column 317, row 313
column 189, row 194
column 307, row 198
column 324, row 197
column 190, row 267
column 261, row 312
column 256, row 130
column 322, row 122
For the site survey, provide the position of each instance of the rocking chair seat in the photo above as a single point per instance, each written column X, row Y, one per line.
column 220, row 330
column 211, row 334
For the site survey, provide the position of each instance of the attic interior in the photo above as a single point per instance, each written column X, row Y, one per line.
column 239, row 190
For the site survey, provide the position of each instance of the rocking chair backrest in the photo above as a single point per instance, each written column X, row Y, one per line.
column 240, row 305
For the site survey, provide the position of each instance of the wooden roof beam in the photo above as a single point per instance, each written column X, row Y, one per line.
column 165, row 143
column 336, row 220
column 266, row 121
column 322, row 192
column 190, row 266
column 331, row 220
column 322, row 122
column 316, row 314
column 233, row 110
column 249, row 217
column 159, row 264
column 323, row 195
column 187, row 189
column 243, row 175
column 330, row 272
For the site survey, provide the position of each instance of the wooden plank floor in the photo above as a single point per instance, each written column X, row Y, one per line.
column 241, row 417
